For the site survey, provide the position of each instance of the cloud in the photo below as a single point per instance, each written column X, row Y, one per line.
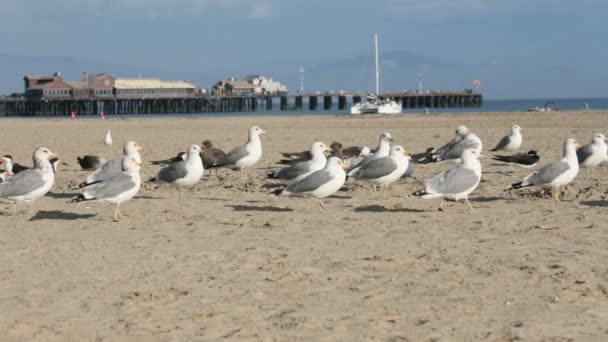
column 261, row 10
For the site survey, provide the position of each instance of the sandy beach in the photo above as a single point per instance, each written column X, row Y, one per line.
column 246, row 265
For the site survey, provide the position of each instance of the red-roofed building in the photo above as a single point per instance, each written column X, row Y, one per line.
column 47, row 86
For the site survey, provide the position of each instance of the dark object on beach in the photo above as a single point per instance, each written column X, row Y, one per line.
column 336, row 148
column 210, row 154
column 527, row 160
column 16, row 166
column 424, row 157
column 90, row 163
column 164, row 162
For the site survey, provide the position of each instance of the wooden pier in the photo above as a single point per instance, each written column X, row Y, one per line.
column 20, row 106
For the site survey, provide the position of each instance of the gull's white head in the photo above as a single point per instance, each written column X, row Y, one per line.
column 515, row 128
column 131, row 147
column 386, row 136
column 570, row 146
column 42, row 156
column 462, row 130
column 599, row 138
column 399, row 151
column 194, row 149
column 469, row 154
column 318, row 148
column 256, row 131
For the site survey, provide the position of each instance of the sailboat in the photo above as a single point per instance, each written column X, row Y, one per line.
column 375, row 105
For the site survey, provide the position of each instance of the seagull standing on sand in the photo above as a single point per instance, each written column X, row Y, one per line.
column 452, row 150
column 302, row 169
column 113, row 166
column 319, row 184
column 244, row 156
column 107, row 139
column 455, row 184
column 593, row 154
column 185, row 173
column 511, row 142
column 31, row 184
column 385, row 170
column 556, row 174
column 117, row 189
column 384, row 147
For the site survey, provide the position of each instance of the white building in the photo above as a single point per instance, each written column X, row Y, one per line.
column 266, row 85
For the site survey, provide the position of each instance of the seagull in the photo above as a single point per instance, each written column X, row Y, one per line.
column 556, row 174
column 91, row 163
column 452, row 150
column 210, row 154
column 319, row 184
column 526, row 160
column 385, row 170
column 302, row 169
column 384, row 147
column 8, row 168
column 455, row 184
column 31, row 184
column 511, row 142
column 107, row 139
column 184, row 173
column 593, row 154
column 179, row 157
column 117, row 189
column 113, row 166
column 244, row 156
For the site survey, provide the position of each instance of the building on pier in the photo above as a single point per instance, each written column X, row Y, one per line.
column 153, row 88
column 47, row 86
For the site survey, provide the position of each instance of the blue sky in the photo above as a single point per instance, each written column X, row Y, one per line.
column 243, row 36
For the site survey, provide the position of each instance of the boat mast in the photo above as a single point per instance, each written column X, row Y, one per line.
column 377, row 65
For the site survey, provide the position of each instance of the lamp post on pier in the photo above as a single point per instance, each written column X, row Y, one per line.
column 301, row 79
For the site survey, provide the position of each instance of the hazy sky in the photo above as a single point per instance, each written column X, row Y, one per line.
column 243, row 35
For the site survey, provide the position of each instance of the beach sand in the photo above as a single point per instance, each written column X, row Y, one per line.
column 246, row 265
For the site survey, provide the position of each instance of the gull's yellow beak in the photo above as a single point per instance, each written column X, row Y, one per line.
column 140, row 149
column 407, row 153
column 391, row 140
column 54, row 155
column 577, row 146
column 482, row 156
column 345, row 167
column 138, row 164
column 327, row 149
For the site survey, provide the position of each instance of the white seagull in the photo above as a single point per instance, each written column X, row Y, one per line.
column 244, row 156
column 455, row 184
column 8, row 168
column 593, row 154
column 383, row 150
column 452, row 150
column 183, row 173
column 31, row 184
column 511, row 142
column 117, row 189
column 113, row 166
column 556, row 174
column 385, row 170
column 107, row 139
column 302, row 169
column 319, row 184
